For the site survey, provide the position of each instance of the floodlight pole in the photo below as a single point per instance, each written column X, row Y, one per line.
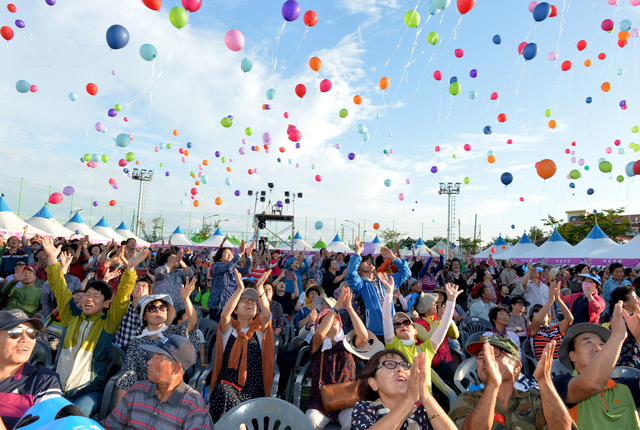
column 449, row 189
column 143, row 176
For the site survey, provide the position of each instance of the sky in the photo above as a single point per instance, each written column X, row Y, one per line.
column 195, row 81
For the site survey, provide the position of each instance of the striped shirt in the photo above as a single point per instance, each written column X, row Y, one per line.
column 257, row 272
column 545, row 335
column 141, row 408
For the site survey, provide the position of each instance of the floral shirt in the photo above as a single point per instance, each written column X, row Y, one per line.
column 365, row 414
column 630, row 352
column 170, row 283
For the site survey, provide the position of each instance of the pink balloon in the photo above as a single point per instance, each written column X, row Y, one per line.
column 156, row 149
column 408, row 181
column 234, row 40
column 458, row 53
column 122, row 162
column 581, row 162
column 494, row 96
column 437, row 75
column 635, row 2
column 55, row 198
column 608, row 150
column 325, row 85
column 532, row 6
column 99, row 126
column 552, row 56
column 612, row 2
column 635, row 32
column 573, row 159
column 192, row 5
column 401, row 197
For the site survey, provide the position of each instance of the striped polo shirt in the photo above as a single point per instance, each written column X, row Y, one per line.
column 545, row 335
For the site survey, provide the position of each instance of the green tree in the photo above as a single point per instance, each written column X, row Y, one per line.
column 536, row 235
column 432, row 242
column 390, row 237
column 155, row 233
column 611, row 221
column 205, row 231
column 512, row 241
column 468, row 244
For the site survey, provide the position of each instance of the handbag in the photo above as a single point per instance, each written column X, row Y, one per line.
column 337, row 397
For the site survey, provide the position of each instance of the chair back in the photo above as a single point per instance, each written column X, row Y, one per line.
column 471, row 325
column 41, row 354
column 265, row 413
column 558, row 369
column 625, row 372
column 115, row 361
column 466, row 374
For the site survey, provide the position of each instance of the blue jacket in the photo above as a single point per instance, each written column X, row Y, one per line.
column 289, row 287
column 220, row 280
column 425, row 269
column 610, row 285
column 372, row 291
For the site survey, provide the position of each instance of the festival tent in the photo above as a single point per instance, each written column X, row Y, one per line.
column 440, row 247
column 500, row 245
column 299, row 244
column 214, row 241
column 10, row 223
column 76, row 224
column 320, row 244
column 521, row 252
column 46, row 223
column 555, row 250
column 337, row 245
column 124, row 231
column 178, row 239
column 377, row 244
column 422, row 248
column 103, row 229
column 628, row 254
column 595, row 243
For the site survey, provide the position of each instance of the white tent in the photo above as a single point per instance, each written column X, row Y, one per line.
column 124, row 231
column 628, row 254
column 440, row 247
column 102, row 228
column 373, row 247
column 46, row 223
column 595, row 243
column 337, row 245
column 10, row 223
column 556, row 250
column 422, row 248
column 214, row 241
column 522, row 252
column 177, row 239
column 77, row 224
column 500, row 245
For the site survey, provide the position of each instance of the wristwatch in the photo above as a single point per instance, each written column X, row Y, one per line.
column 333, row 310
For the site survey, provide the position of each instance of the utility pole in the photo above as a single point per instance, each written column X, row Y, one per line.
column 475, row 224
column 449, row 189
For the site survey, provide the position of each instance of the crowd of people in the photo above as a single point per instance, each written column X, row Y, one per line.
column 380, row 327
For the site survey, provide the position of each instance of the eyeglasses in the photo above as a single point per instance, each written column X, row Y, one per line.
column 496, row 354
column 16, row 333
column 154, row 309
column 401, row 324
column 391, row 365
column 248, row 301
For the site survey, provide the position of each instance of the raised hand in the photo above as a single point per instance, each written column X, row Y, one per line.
column 112, row 274
column 618, row 325
column 386, row 253
column 452, row 291
column 250, row 248
column 20, row 275
column 543, row 369
column 358, row 246
column 51, row 250
column 633, row 321
column 491, row 367
column 187, row 289
column 239, row 280
column 137, row 259
column 415, row 378
column 261, row 281
column 241, row 247
column 346, row 296
column 65, row 261
column 387, row 281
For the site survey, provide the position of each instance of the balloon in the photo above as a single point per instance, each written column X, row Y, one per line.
column 552, row 124
column 105, row 158
column 148, row 52
column 467, row 147
column 117, row 37
column 23, row 86
column 574, row 174
column 441, row 4
column 532, row 6
column 620, row 178
column 92, row 89
column 506, row 178
column 318, row 178
column 227, row 181
column 387, row 183
column 458, row 53
column 546, row 168
column 315, row 63
column 590, row 191
column 437, row 75
column 491, row 159
column 587, row 63
column 344, row 113
column 55, row 198
column 112, row 203
column 629, row 169
column 384, row 83
column 226, row 122
column 68, row 191
column 11, row 8
column 153, row 4
column 581, row 45
column 502, row 117
column 310, row 18
column 325, row 85
column 552, row 56
column 178, row 17
column 547, row 113
column 357, row 99
column 605, row 166
column 234, row 40
column 541, row 11
column 266, row 137
column 295, row 135
column 73, row 97
column 361, row 129
column 20, row 23
column 192, row 5
column 530, row 51
column 412, row 18
column 432, row 9
column 625, row 25
column 607, row 25
column 472, row 95
column 588, row 100
column 434, row 169
column 6, row 32
column 433, row 38
column 301, row 90
column 487, row 130
column 494, row 96
column 290, row 10
column 99, row 126
column 566, row 65
column 455, row 88
column 606, row 87
column 602, row 56
column 123, row 140
column 521, row 47
column 497, row 39
column 112, row 112
column 465, row 6
column 365, row 136
column 636, row 167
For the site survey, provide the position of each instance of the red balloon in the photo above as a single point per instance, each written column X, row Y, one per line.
column 636, row 167
column 502, row 117
column 566, row 65
column 6, row 32
column 111, row 181
column 191, row 5
column 437, row 75
column 467, row 147
column 291, row 128
column 521, row 47
column 112, row 203
column 12, row 8
column 92, row 89
column 554, row 11
column 510, row 141
column 494, row 96
column 617, row 142
column 602, row 56
column 55, row 198
column 153, row 4
column 318, row 178
column 458, row 53
column 310, row 18
column 122, row 163
column 301, row 90
column 325, row 85
column 622, row 43
column 582, row 44
column 295, row 135
column 250, row 171
column 282, row 149
column 465, row 6
column 286, row 114
column 33, row 88
column 194, row 191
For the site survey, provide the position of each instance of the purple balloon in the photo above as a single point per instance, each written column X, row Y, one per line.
column 167, row 174
column 352, row 156
column 20, row 23
column 291, row 10
column 244, row 142
column 99, row 126
column 267, row 107
column 230, row 116
column 434, row 169
column 279, row 203
column 266, row 138
column 51, row 3
column 112, row 112
column 473, row 73
column 242, row 151
column 217, row 154
column 237, row 193
column 94, row 203
column 68, row 191
column 369, row 249
column 115, row 185
column 298, row 145
column 623, row 103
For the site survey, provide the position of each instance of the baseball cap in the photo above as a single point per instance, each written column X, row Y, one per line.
column 400, row 316
column 573, row 332
column 515, row 299
column 15, row 317
column 595, row 278
column 425, row 302
column 176, row 347
column 506, row 345
column 321, row 299
column 142, row 306
column 250, row 292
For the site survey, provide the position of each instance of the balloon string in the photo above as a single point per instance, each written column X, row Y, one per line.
column 14, row 121
column 387, row 111
column 274, row 54
column 398, row 46
column 358, row 19
column 433, row 54
column 153, row 67
column 179, row 53
column 304, row 35
column 55, row 25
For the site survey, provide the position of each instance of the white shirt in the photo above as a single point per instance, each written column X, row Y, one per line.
column 232, row 331
column 481, row 309
column 537, row 294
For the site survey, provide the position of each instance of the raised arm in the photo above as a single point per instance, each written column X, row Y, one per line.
column 265, row 309
column 481, row 416
column 190, row 312
column 439, row 333
column 555, row 412
column 325, row 326
column 425, row 268
column 568, row 316
column 361, row 331
column 387, row 306
column 225, row 315
column 525, row 278
column 354, row 279
column 538, row 318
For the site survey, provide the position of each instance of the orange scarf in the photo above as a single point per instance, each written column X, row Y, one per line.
column 239, row 352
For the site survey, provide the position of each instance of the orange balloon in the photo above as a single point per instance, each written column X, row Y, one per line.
column 137, row 162
column 504, row 246
column 197, row 182
column 552, row 124
column 606, row 87
column 175, row 132
column 218, row 201
column 131, row 137
column 624, row 35
column 186, row 153
column 384, row 83
column 376, row 226
column 228, row 169
column 587, row 63
column 196, row 203
column 205, row 162
column 315, row 64
column 546, row 168
column 491, row 159
column 357, row 99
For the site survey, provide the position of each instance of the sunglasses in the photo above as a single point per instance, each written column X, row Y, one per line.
column 16, row 333
column 154, row 309
column 247, row 300
column 402, row 323
column 391, row 365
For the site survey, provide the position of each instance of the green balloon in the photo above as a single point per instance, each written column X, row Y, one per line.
column 87, row 157
column 620, row 178
column 226, row 122
column 178, row 17
column 387, row 183
column 131, row 156
column 118, row 107
column 191, row 173
column 636, row 148
column 161, row 164
column 248, row 131
column 605, row 167
column 547, row 113
column 586, row 167
column 433, row 38
column 344, row 113
column 467, row 180
column 455, row 88
column 635, row 129
column 169, row 146
column 453, row 156
column 105, row 158
column 385, row 151
column 223, row 159
column 574, row 174
column 412, row 19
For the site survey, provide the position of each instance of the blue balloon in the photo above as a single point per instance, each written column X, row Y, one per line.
column 279, row 160
column 506, row 178
column 227, row 181
column 589, row 100
column 23, row 86
column 73, row 97
column 441, row 4
column 125, row 170
column 572, row 185
column 472, row 95
column 541, row 11
column 497, row 39
column 319, row 225
column 271, row 94
column 432, row 9
column 246, row 65
column 453, row 80
column 148, row 52
column 487, row 130
column 189, row 144
column 625, row 25
column 629, row 169
column 123, row 140
column 530, row 51
column 117, row 37
column 513, row 226
column 362, row 129
column 365, row 136
column 204, row 179
column 590, row 191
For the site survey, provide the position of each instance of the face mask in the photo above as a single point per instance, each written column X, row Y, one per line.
column 585, row 287
column 407, row 342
